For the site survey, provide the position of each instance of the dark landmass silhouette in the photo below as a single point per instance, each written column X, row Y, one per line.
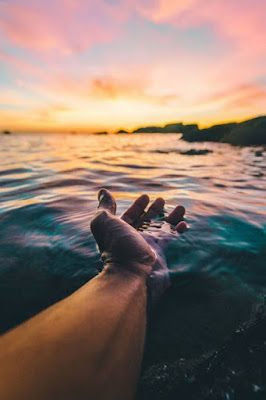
column 6, row 133
column 122, row 132
column 248, row 133
column 178, row 127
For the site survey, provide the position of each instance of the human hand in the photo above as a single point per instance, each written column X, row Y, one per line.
column 128, row 243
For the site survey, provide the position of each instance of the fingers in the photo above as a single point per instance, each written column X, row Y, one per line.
column 176, row 218
column 181, row 227
column 154, row 210
column 176, row 215
column 134, row 212
column 106, row 201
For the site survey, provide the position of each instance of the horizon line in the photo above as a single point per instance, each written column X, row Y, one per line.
column 99, row 130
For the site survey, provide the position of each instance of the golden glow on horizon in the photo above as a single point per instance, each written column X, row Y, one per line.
column 26, row 126
column 88, row 116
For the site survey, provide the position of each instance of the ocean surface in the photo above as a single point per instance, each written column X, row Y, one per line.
column 48, row 192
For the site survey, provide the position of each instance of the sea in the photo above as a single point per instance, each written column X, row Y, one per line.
column 48, row 196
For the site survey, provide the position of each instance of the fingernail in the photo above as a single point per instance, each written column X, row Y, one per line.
column 101, row 197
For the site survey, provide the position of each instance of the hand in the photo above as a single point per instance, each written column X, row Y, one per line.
column 124, row 247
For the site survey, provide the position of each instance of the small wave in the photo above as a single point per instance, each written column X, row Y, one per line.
column 14, row 171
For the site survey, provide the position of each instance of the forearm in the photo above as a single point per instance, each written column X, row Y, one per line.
column 87, row 346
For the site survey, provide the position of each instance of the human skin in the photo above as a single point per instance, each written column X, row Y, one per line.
column 90, row 345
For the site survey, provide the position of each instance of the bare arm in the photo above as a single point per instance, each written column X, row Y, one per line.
column 88, row 346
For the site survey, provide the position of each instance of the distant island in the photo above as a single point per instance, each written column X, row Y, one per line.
column 178, row 127
column 248, row 133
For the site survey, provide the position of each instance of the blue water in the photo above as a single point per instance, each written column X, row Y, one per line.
column 48, row 187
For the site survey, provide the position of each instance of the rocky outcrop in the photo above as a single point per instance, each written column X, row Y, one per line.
column 248, row 133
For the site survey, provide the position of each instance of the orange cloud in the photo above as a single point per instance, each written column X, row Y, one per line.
column 242, row 91
column 138, row 90
column 248, row 96
column 107, row 88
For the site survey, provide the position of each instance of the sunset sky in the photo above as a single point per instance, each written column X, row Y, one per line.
column 107, row 64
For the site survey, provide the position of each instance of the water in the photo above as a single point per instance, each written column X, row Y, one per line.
column 48, row 196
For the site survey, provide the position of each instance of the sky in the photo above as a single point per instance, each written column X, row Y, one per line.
column 83, row 65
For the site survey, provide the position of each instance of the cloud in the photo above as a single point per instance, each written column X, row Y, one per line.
column 111, row 88
column 248, row 90
column 241, row 101
column 105, row 88
column 247, row 96
column 69, row 26
column 241, row 21
column 65, row 26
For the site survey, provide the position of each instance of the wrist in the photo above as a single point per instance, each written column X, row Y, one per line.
column 128, row 270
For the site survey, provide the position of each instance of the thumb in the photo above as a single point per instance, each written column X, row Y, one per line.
column 98, row 227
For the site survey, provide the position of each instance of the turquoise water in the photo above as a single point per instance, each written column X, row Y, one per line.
column 48, row 192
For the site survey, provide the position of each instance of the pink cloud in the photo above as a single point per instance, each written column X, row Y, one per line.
column 241, row 21
column 242, row 96
column 67, row 26
column 247, row 96
column 64, row 26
